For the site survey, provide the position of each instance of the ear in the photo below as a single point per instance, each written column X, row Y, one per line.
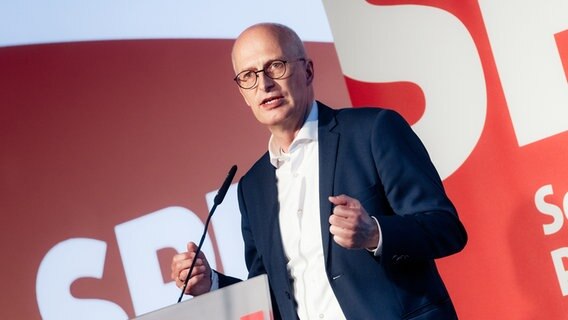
column 309, row 71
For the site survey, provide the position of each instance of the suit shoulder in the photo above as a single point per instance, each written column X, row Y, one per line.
column 367, row 117
column 362, row 113
column 260, row 167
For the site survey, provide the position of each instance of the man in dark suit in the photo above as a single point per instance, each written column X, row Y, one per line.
column 345, row 213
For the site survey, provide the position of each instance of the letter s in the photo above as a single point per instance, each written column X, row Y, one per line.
column 548, row 209
column 424, row 45
column 66, row 262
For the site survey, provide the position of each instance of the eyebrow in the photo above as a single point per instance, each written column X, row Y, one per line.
column 265, row 64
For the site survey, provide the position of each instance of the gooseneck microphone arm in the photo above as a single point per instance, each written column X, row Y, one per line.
column 218, row 199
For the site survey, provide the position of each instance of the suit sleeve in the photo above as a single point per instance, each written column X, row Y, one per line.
column 253, row 261
column 252, row 257
column 425, row 224
column 225, row 281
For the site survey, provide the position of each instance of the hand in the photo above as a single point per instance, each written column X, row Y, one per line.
column 351, row 225
column 200, row 281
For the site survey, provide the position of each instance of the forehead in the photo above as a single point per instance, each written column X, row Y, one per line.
column 254, row 48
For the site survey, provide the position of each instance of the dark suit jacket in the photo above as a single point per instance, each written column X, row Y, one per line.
column 373, row 155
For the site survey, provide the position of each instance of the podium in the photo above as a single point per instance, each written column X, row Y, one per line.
column 246, row 300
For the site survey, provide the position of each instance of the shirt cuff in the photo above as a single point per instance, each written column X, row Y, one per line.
column 214, row 280
column 379, row 249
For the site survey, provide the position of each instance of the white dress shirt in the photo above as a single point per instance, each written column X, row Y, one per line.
column 297, row 174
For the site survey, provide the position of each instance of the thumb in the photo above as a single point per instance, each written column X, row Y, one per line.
column 191, row 246
column 342, row 200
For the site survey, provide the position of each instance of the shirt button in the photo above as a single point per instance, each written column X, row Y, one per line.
column 321, row 316
column 300, row 211
column 295, row 175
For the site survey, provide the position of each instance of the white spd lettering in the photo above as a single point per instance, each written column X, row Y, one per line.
column 558, row 257
column 138, row 242
column 435, row 51
column 532, row 76
column 558, row 216
column 550, row 209
column 66, row 262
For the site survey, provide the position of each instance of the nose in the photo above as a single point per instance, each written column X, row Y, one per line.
column 265, row 83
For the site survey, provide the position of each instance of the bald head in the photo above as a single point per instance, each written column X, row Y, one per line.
column 280, row 102
column 281, row 35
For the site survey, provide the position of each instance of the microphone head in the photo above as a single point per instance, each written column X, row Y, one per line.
column 223, row 191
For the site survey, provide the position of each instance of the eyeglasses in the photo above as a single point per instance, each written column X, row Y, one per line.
column 275, row 70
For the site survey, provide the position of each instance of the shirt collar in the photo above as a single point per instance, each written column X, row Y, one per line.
column 308, row 132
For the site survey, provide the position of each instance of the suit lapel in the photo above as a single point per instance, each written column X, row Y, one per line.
column 270, row 207
column 277, row 252
column 328, row 142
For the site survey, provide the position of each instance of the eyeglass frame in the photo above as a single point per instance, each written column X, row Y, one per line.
column 285, row 62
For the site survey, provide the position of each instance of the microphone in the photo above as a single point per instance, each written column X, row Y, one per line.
column 223, row 191
column 217, row 201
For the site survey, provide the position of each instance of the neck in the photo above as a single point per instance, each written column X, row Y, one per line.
column 284, row 135
column 284, row 139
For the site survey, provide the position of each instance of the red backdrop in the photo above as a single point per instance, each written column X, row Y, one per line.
column 97, row 134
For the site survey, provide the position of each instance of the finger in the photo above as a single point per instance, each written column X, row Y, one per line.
column 341, row 232
column 345, row 237
column 183, row 261
column 179, row 257
column 193, row 282
column 180, row 281
column 192, row 249
column 191, row 246
column 342, row 212
column 197, row 270
column 201, row 256
column 186, row 264
column 179, row 262
column 173, row 265
column 345, row 201
column 335, row 230
column 339, row 200
column 341, row 220
column 344, row 242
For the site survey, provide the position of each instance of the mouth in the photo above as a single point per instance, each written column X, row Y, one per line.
column 271, row 101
